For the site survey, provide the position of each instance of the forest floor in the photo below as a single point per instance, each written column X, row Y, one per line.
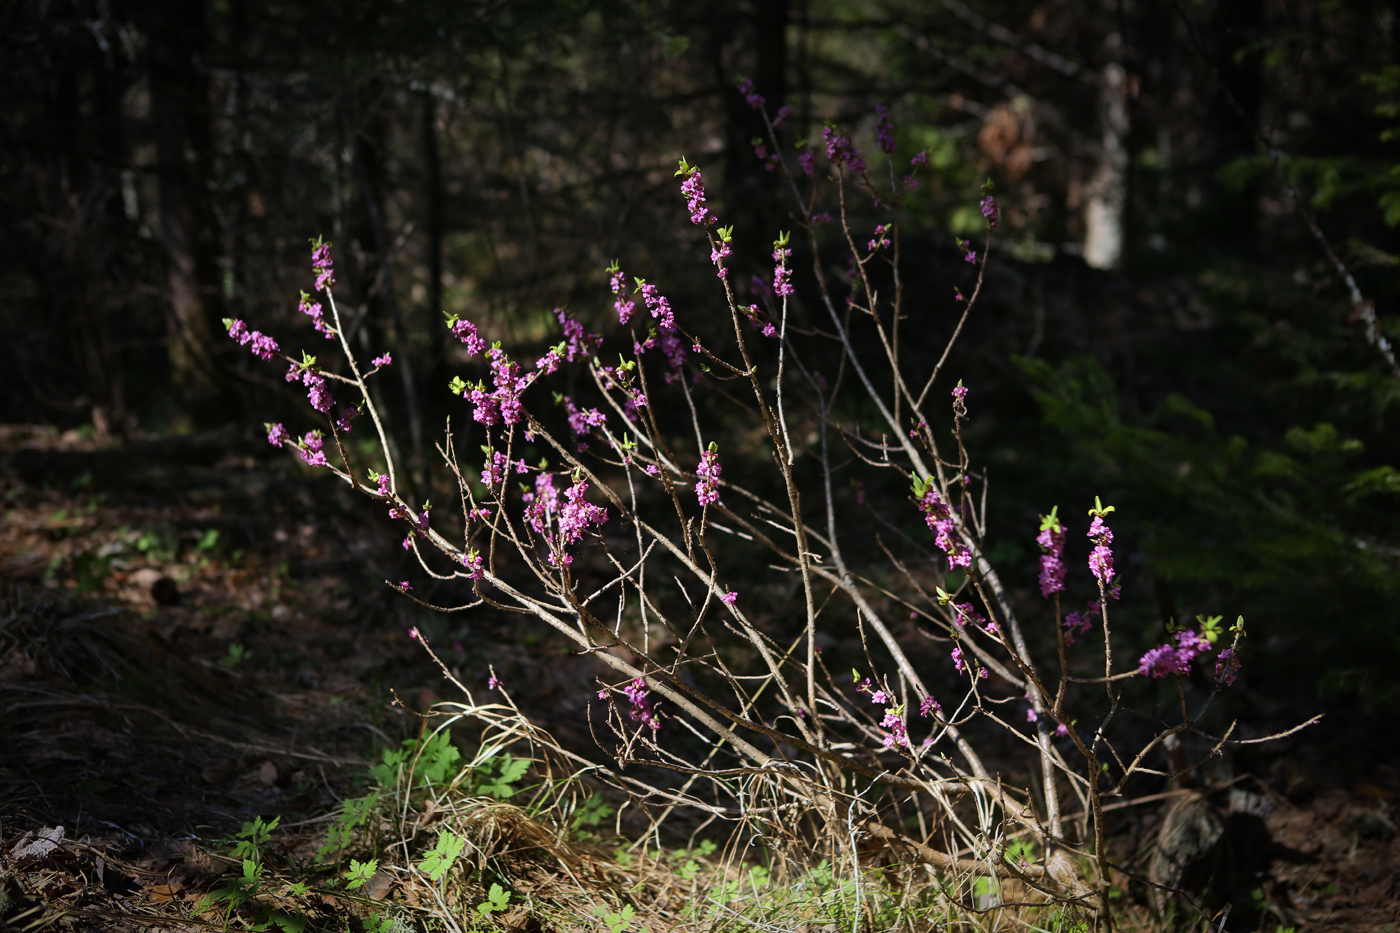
column 191, row 638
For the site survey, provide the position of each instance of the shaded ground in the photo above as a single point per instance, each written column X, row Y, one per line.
column 190, row 638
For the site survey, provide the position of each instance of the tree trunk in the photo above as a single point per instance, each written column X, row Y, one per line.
column 180, row 122
column 1107, row 201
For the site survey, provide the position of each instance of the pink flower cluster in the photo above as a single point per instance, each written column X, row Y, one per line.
column 466, row 332
column 880, row 239
column 884, row 130
column 658, row 305
column 502, row 404
column 1052, row 542
column 312, row 309
column 770, row 160
column 707, row 486
column 561, row 524
column 310, row 448
column 939, row 519
column 965, row 614
column 313, row 382
column 1227, row 666
column 1101, row 557
column 754, row 99
column 840, row 150
column 578, row 514
column 583, row 421
column 1077, row 623
column 259, row 343
column 694, row 190
column 1176, row 659
column 961, row 664
column 717, row 256
column 578, row 341
column 624, row 306
column 276, row 435
column 898, row 734
column 321, row 264
column 781, row 273
column 991, row 211
column 496, row 470
column 643, row 710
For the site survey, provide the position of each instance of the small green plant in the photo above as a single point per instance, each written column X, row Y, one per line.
column 236, row 892
column 159, row 542
column 617, row 920
column 250, row 840
column 236, row 655
column 690, row 867
column 590, row 816
column 500, row 785
column 242, row 890
column 379, row 923
column 208, row 540
column 438, row 860
column 496, row 901
column 354, row 814
column 360, row 872
column 433, row 760
column 91, row 571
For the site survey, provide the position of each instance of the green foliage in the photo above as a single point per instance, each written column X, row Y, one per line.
column 689, row 861
column 250, row 840
column 1278, row 523
column 236, row 655
column 159, row 542
column 497, row 900
column 235, row 892
column 501, row 783
column 616, row 921
column 91, row 571
column 433, row 761
column 379, row 923
column 438, row 860
column 360, row 872
column 355, row 813
column 243, row 889
column 590, row 816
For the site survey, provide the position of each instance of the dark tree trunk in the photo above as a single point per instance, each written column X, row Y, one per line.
column 180, row 125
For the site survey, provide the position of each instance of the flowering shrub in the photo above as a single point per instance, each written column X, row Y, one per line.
column 593, row 541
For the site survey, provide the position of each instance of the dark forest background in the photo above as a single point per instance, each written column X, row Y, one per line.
column 1161, row 327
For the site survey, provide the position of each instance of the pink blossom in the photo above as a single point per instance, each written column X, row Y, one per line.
column 707, row 486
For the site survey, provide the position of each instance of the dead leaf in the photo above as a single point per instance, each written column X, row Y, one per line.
column 378, row 885
column 267, row 774
column 166, row 892
column 40, row 845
